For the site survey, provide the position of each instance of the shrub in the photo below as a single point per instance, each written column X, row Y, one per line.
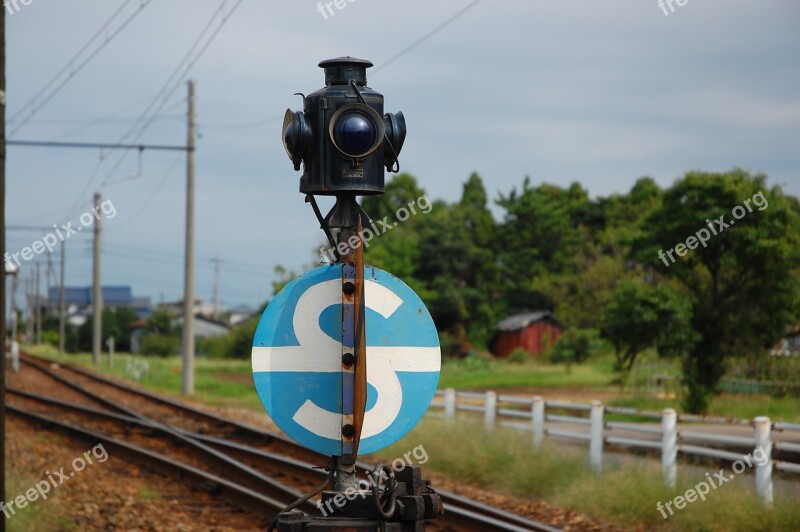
column 576, row 345
column 160, row 345
column 518, row 356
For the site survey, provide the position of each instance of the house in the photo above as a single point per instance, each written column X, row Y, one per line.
column 78, row 301
column 789, row 344
column 532, row 331
column 199, row 308
column 203, row 328
column 240, row 314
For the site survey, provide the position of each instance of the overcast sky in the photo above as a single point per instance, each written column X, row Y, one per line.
column 596, row 92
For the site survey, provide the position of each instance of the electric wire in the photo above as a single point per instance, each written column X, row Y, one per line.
column 427, row 36
column 65, row 67
column 163, row 95
column 178, row 75
column 75, row 70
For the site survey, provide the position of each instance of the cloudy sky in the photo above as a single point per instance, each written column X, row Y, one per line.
column 596, row 92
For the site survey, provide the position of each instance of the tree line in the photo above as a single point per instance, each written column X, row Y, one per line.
column 730, row 284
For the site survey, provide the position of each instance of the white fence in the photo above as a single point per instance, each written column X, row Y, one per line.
column 663, row 434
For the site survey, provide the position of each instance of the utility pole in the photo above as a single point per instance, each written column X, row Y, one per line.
column 62, row 307
column 14, row 311
column 38, row 302
column 188, row 286
column 29, row 314
column 47, row 278
column 215, row 294
column 3, row 248
column 97, row 291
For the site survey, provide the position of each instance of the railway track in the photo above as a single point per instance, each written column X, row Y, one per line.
column 245, row 449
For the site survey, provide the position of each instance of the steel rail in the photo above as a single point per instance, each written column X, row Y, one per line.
column 235, row 470
column 239, row 496
column 240, row 429
column 460, row 512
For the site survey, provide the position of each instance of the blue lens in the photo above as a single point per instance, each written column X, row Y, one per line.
column 354, row 133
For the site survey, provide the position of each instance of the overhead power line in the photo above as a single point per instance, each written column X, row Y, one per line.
column 106, row 118
column 176, row 78
column 174, row 81
column 427, row 36
column 35, row 104
column 95, row 145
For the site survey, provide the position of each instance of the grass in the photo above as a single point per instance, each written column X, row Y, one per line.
column 229, row 382
column 625, row 495
column 505, row 461
column 726, row 405
column 217, row 382
column 480, row 373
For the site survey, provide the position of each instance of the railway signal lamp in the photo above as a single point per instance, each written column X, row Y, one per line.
column 342, row 137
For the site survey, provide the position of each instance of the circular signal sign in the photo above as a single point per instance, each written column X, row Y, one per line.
column 297, row 359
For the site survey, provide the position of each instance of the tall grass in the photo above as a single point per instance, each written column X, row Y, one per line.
column 624, row 494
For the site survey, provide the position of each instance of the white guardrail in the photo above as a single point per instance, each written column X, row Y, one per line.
column 532, row 413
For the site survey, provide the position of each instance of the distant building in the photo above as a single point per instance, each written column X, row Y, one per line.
column 199, row 308
column 240, row 314
column 789, row 344
column 204, row 327
column 532, row 331
column 78, row 301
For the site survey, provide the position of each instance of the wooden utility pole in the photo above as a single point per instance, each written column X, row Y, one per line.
column 187, row 386
column 97, row 291
column 3, row 249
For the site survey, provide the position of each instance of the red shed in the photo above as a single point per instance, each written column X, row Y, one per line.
column 532, row 331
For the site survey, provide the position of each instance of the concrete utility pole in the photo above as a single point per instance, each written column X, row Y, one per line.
column 187, row 386
column 14, row 310
column 97, row 291
column 215, row 294
column 37, row 310
column 62, row 307
column 29, row 313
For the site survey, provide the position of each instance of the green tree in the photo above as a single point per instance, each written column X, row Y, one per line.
column 124, row 317
column 161, row 322
column 640, row 315
column 537, row 236
column 399, row 192
column 743, row 280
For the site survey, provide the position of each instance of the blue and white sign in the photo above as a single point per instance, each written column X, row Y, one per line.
column 297, row 360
